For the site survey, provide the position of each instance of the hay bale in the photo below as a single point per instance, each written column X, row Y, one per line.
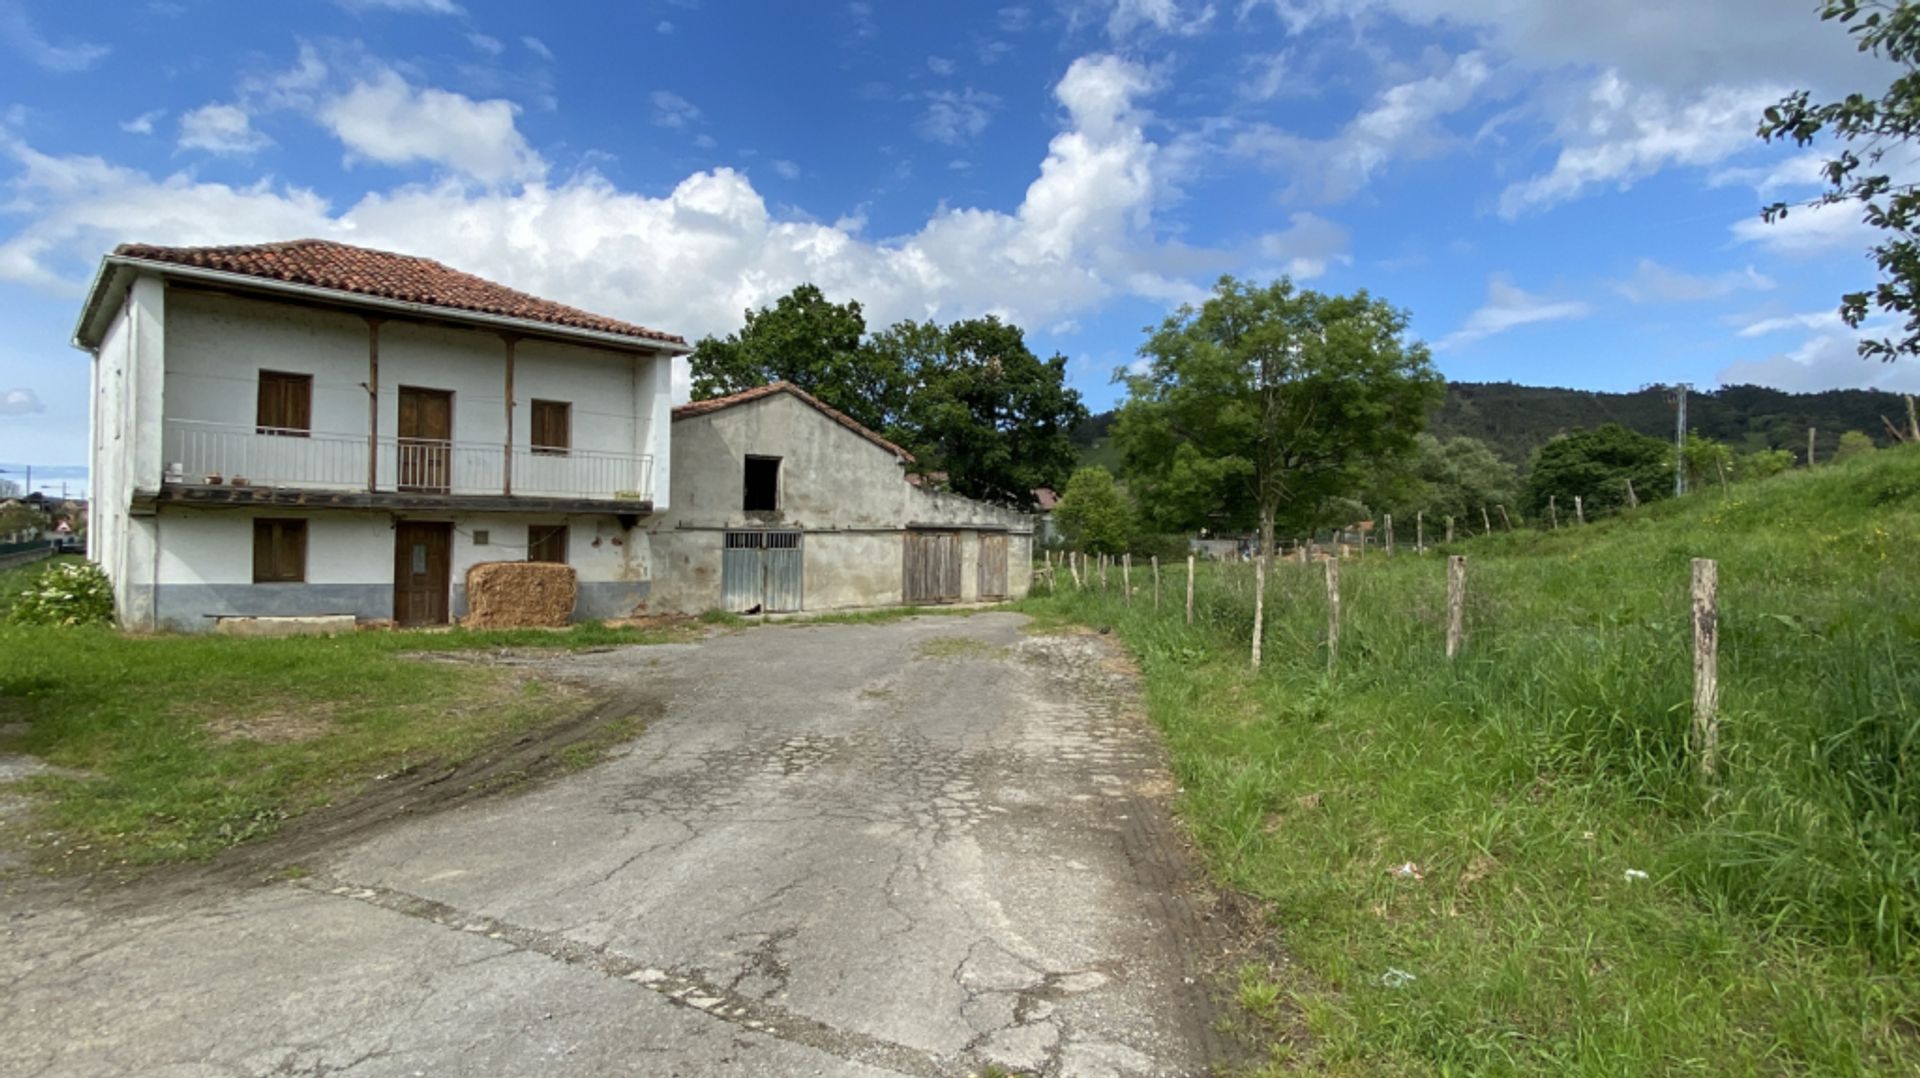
column 519, row 595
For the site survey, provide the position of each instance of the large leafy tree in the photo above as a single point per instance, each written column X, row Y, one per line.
column 982, row 407
column 1456, row 478
column 1877, row 125
column 1265, row 402
column 1095, row 515
column 816, row 344
column 1596, row 465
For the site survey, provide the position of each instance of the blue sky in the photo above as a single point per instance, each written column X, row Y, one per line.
column 1561, row 194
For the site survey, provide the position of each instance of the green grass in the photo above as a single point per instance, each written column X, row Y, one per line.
column 1776, row 928
column 150, row 723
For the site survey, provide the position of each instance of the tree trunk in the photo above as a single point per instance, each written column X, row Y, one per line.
column 1266, row 531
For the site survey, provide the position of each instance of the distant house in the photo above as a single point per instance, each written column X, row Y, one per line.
column 315, row 428
column 783, row 503
column 1044, row 503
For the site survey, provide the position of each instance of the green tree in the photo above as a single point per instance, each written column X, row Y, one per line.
column 1763, row 464
column 1595, row 466
column 1707, row 462
column 1451, row 478
column 1267, row 401
column 1094, row 514
column 816, row 344
column 984, row 409
column 1853, row 443
column 1889, row 30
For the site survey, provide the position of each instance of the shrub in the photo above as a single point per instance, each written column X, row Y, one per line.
column 73, row 594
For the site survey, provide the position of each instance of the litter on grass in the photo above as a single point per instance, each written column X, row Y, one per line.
column 1396, row 978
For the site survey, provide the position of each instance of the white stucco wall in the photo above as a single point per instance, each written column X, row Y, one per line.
column 128, row 378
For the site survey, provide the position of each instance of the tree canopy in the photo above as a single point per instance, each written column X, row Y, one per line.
column 1094, row 514
column 1596, row 465
column 1456, row 477
column 970, row 400
column 1265, row 402
column 1889, row 29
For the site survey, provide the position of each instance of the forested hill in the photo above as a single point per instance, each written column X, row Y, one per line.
column 1516, row 419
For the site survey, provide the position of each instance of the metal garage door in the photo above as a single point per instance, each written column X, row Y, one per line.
column 933, row 567
column 993, row 565
column 761, row 572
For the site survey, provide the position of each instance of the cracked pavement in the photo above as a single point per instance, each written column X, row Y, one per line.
column 915, row 848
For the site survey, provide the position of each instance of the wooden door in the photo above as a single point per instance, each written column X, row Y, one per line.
column 992, row 577
column 426, row 440
column 421, row 556
column 933, row 567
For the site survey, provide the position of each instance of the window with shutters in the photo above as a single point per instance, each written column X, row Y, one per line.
column 547, row 542
column 279, row 551
column 285, row 404
column 552, row 428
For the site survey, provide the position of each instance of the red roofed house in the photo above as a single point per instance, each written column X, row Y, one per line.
column 782, row 503
column 312, row 428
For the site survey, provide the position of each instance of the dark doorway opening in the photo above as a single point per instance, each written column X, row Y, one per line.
column 763, row 484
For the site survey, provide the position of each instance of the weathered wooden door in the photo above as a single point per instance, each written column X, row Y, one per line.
column 762, row 572
column 933, row 567
column 421, row 560
column 425, row 440
column 993, row 565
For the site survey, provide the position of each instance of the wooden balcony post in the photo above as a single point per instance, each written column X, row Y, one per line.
column 373, row 404
column 506, row 479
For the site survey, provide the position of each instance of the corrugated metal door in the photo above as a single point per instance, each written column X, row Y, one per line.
column 785, row 572
column 932, row 567
column 993, row 565
column 761, row 572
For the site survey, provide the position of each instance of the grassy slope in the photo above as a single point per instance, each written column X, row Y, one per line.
column 141, row 717
column 1775, row 930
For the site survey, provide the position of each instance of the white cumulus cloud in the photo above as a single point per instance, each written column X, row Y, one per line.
column 1508, row 307
column 388, row 120
column 1654, row 283
column 221, row 129
column 20, row 402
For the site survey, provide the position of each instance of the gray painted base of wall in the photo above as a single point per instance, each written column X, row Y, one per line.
column 192, row 608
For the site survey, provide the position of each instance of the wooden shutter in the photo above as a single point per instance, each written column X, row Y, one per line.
column 547, row 542
column 285, row 404
column 552, row 427
column 279, row 551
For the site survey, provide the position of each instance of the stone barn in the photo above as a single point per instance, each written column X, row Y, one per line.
column 782, row 503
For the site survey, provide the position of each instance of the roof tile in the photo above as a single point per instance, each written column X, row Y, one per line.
column 363, row 271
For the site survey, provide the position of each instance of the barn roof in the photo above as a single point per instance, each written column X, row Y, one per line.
column 715, row 404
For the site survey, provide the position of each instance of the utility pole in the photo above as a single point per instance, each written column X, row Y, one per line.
column 1680, row 439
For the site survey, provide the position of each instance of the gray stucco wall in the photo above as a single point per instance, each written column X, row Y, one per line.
column 848, row 496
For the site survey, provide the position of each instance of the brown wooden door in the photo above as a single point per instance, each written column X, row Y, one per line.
column 426, row 439
column 933, row 567
column 420, row 572
column 992, row 579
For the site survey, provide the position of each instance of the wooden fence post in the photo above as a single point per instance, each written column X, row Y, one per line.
column 1420, row 532
column 1706, row 663
column 1553, row 510
column 1505, row 520
column 1633, row 500
column 1105, row 559
column 1456, row 604
column 1259, row 606
column 1579, row 510
column 1449, row 529
column 1333, row 612
column 1189, row 588
column 1809, row 447
column 1486, row 522
column 1126, row 577
column 1156, row 581
column 1389, row 535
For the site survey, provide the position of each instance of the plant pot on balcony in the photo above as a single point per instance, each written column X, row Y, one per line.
column 213, row 479
column 240, row 481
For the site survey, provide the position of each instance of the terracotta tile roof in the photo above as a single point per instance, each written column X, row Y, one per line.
column 715, row 404
column 1045, row 498
column 367, row 272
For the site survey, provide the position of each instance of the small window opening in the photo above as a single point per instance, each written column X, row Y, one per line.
column 763, row 484
column 547, row 542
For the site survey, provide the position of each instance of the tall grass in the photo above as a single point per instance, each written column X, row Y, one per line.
column 1777, row 926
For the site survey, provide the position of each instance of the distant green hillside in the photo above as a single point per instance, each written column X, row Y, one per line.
column 1516, row 419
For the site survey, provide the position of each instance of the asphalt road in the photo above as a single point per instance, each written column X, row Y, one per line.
column 915, row 848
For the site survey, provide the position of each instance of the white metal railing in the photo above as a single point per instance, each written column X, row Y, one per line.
column 227, row 454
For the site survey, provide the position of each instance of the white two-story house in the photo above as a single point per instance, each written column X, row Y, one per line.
column 312, row 428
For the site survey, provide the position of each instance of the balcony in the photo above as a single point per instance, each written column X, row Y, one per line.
column 230, row 464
